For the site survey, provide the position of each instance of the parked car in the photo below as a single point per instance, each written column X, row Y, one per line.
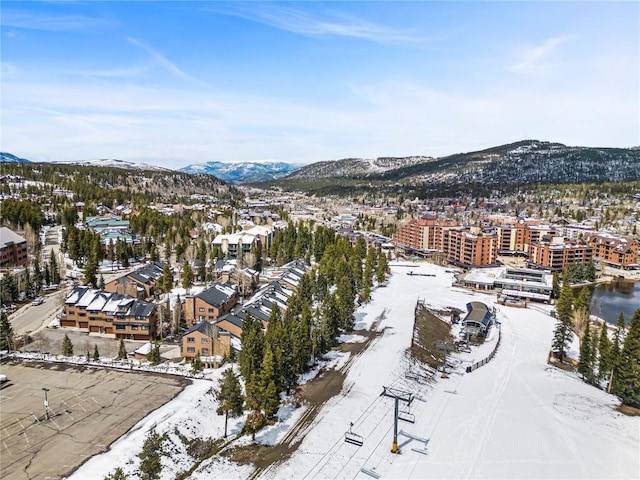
column 37, row 301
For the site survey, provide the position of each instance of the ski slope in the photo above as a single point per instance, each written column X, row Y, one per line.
column 515, row 417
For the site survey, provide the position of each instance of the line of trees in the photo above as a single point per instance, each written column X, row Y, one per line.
column 611, row 362
column 319, row 311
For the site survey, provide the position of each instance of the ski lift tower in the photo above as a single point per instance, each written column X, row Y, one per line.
column 444, row 348
column 398, row 395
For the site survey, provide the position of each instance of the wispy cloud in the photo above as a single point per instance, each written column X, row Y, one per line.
column 164, row 62
column 50, row 22
column 536, row 59
column 327, row 24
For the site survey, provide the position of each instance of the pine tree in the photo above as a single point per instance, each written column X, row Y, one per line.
column 118, row 474
column 585, row 367
column 196, row 364
column 96, row 353
column 627, row 380
column 562, row 334
column 605, row 363
column 150, row 456
column 7, row 337
column 166, row 279
column 67, row 346
column 154, row 355
column 229, row 397
column 270, row 400
column 593, row 358
column 101, row 282
column 187, row 276
column 252, row 340
column 616, row 349
column 382, row 267
column 88, row 359
column 556, row 285
column 122, row 352
column 583, row 300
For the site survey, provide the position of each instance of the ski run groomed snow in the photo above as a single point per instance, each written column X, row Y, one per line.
column 515, row 417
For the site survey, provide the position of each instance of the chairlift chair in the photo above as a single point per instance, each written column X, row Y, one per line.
column 351, row 437
column 407, row 416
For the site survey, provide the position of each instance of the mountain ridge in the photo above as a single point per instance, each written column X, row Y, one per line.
column 243, row 172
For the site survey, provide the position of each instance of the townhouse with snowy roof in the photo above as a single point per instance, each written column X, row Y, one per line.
column 210, row 304
column 101, row 312
column 207, row 340
column 278, row 291
column 140, row 283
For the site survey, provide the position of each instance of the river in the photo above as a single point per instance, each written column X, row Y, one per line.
column 609, row 299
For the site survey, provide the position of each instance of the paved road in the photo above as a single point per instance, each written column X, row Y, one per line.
column 32, row 318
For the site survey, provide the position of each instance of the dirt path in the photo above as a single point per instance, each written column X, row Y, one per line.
column 314, row 394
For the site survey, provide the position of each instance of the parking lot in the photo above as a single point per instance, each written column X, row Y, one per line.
column 89, row 408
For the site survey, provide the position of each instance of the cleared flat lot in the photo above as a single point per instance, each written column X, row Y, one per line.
column 88, row 408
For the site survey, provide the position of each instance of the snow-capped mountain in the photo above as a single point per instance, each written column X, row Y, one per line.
column 358, row 167
column 243, row 172
column 7, row 157
column 525, row 162
column 114, row 163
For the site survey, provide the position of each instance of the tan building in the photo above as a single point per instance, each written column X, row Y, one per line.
column 207, row 340
column 470, row 248
column 13, row 249
column 425, row 233
column 518, row 237
column 558, row 254
column 140, row 283
column 210, row 304
column 618, row 252
column 98, row 311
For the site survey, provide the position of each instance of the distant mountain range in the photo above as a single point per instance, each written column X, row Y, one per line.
column 520, row 163
column 243, row 172
column 104, row 163
column 7, row 157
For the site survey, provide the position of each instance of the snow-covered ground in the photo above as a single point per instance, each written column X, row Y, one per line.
column 515, row 417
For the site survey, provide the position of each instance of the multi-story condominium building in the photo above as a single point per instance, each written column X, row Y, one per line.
column 98, row 311
column 425, row 233
column 208, row 341
column 470, row 248
column 140, row 283
column 519, row 236
column 617, row 252
column 210, row 304
column 13, row 249
column 558, row 254
column 235, row 245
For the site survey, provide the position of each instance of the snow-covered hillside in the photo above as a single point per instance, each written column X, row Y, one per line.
column 114, row 163
column 357, row 167
column 515, row 417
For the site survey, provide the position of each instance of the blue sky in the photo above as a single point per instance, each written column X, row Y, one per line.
column 173, row 83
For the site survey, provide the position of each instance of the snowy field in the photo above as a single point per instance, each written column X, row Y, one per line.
column 515, row 417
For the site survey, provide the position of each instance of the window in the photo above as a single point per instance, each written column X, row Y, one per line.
column 211, row 310
column 120, row 327
column 134, row 327
column 144, row 327
column 204, row 340
column 201, row 309
column 191, row 340
column 191, row 349
column 205, row 352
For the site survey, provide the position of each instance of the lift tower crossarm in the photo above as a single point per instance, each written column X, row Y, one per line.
column 398, row 396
